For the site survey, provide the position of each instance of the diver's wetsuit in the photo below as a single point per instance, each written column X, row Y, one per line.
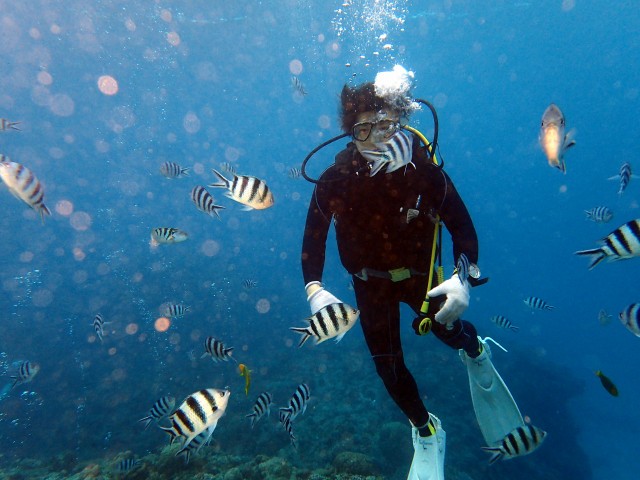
column 370, row 215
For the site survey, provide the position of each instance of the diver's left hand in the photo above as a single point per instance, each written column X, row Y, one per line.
column 457, row 294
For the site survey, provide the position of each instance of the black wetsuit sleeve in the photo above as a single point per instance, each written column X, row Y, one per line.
column 456, row 218
column 315, row 235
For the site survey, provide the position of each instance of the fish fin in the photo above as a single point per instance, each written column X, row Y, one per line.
column 496, row 452
column 615, row 177
column 225, row 182
column 339, row 337
column 185, row 171
column 172, row 433
column 304, row 331
column 246, row 208
column 204, row 355
column 147, row 421
column 514, row 328
column 569, row 140
column 596, row 256
column 44, row 210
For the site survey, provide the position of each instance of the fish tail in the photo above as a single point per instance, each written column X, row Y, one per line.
column 147, row 421
column 223, row 181
column 172, row 433
column 496, row 454
column 304, row 331
column 596, row 256
column 185, row 171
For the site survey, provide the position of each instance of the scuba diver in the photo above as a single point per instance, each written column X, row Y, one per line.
column 387, row 196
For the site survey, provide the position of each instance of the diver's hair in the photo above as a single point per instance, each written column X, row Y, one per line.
column 356, row 100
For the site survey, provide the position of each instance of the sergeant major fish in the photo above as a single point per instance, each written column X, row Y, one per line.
column 297, row 403
column 173, row 170
column 537, row 304
column 23, row 184
column 98, row 326
column 160, row 409
column 249, row 191
column 621, row 244
column 504, row 322
column 204, row 201
column 167, row 235
column 520, row 441
column 246, row 373
column 8, row 125
column 553, row 140
column 26, row 372
column 625, row 175
column 261, row 407
column 331, row 321
column 199, row 412
column 174, row 310
column 630, row 318
column 599, row 214
column 217, row 350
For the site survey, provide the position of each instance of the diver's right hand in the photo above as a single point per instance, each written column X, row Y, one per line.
column 318, row 297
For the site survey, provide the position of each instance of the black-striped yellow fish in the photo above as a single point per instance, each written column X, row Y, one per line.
column 249, row 191
column 621, row 244
column 520, row 441
column 199, row 412
column 23, row 184
column 167, row 235
column 204, row 201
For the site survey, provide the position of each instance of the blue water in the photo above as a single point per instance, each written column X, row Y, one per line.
column 201, row 84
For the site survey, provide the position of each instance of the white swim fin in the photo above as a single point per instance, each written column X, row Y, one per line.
column 428, row 457
column 496, row 410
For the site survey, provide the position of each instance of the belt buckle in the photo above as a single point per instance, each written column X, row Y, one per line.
column 399, row 274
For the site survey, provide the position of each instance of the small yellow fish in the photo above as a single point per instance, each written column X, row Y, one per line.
column 246, row 373
column 607, row 384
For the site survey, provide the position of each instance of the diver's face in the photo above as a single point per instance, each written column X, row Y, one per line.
column 374, row 127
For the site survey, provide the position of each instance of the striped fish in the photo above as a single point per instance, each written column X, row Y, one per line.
column 537, row 303
column 173, row 170
column 198, row 412
column 599, row 214
column 249, row 283
column 504, row 322
column 217, row 350
column 26, row 372
column 462, row 267
column 127, row 465
column 8, row 125
column 249, row 191
column 204, row 201
column 294, row 173
column 160, row 409
column 630, row 318
column 287, row 424
column 297, row 403
column 166, row 235
column 625, row 177
column 334, row 320
column 174, row 310
column 98, row 326
column 519, row 442
column 23, row 184
column 393, row 153
column 621, row 244
column 260, row 408
column 298, row 86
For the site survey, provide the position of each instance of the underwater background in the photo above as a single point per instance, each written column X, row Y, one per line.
column 107, row 91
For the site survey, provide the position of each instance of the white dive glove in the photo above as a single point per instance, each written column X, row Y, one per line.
column 457, row 293
column 318, row 297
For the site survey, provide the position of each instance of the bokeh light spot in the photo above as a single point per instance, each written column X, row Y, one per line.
column 45, row 78
column 210, row 248
column 173, row 38
column 64, row 208
column 108, row 85
column 132, row 329
column 80, row 221
column 263, row 305
column 295, row 67
column 162, row 324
